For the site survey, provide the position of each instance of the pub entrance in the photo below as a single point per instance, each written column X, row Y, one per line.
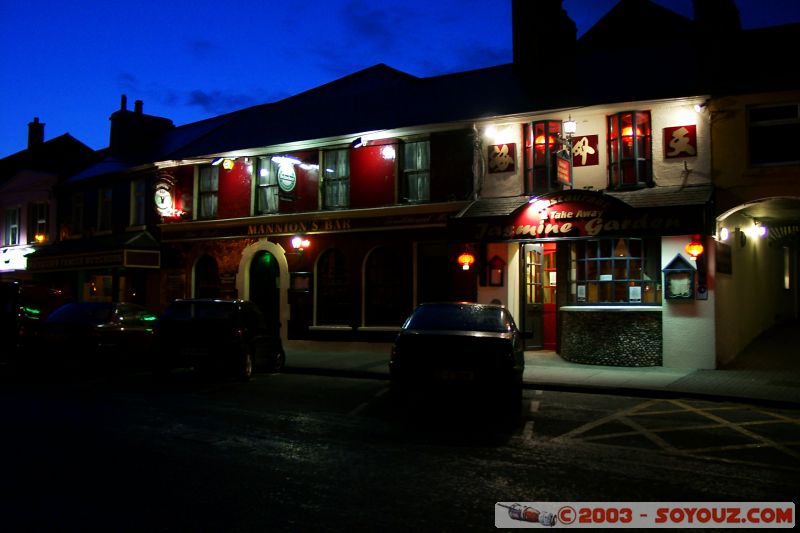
column 264, row 288
column 539, row 295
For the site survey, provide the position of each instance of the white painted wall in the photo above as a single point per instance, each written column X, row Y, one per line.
column 688, row 326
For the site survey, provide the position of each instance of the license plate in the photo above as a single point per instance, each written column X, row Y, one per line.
column 457, row 375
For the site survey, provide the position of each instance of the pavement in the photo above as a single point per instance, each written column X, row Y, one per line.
column 768, row 370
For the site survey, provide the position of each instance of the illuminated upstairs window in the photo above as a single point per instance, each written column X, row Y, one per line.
column 630, row 153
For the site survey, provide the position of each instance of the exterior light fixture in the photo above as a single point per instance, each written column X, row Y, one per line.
column 39, row 238
column 466, row 260
column 569, row 127
column 216, row 161
column 695, row 248
column 357, row 143
column 724, row 234
column 227, row 164
column 299, row 244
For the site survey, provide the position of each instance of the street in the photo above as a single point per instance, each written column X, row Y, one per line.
column 289, row 452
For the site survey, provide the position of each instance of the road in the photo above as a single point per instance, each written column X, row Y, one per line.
column 292, row 452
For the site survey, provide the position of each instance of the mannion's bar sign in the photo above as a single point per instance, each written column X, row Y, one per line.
column 573, row 214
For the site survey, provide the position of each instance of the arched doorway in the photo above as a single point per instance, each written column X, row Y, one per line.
column 206, row 278
column 264, row 287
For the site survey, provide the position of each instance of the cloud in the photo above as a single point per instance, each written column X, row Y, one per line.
column 217, row 101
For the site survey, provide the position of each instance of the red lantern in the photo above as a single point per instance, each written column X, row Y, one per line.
column 465, row 260
column 695, row 248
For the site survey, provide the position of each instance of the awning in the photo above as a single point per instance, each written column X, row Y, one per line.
column 576, row 213
column 133, row 250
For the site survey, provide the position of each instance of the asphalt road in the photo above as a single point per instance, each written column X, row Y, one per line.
column 308, row 453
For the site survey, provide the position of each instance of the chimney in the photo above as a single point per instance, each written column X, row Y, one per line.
column 542, row 31
column 35, row 133
column 133, row 133
column 138, row 107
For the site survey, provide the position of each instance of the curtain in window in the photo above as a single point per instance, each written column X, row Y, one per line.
column 267, row 190
column 209, row 184
column 337, row 178
column 416, row 164
column 12, row 227
column 333, row 299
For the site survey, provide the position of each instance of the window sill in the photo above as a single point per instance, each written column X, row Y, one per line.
column 378, row 328
column 330, row 328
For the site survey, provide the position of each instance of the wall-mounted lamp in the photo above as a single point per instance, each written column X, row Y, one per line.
column 299, row 244
column 699, row 108
column 216, row 161
column 39, row 238
column 569, row 127
column 695, row 248
column 724, row 234
column 357, row 143
column 228, row 164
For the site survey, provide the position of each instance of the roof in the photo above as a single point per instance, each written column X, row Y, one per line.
column 665, row 196
column 60, row 155
column 493, row 207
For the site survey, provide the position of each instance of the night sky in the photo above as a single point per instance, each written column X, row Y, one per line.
column 68, row 63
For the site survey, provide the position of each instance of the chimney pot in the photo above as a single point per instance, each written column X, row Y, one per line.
column 138, row 105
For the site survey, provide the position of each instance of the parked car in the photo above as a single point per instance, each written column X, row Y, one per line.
column 219, row 337
column 23, row 307
column 96, row 335
column 460, row 348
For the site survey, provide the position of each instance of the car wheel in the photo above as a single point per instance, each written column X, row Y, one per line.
column 246, row 365
column 278, row 362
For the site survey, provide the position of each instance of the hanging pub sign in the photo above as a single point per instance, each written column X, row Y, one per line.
column 579, row 213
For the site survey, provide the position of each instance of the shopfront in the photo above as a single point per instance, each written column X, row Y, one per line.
column 606, row 278
column 344, row 276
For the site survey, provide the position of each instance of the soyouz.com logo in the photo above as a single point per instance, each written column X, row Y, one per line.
column 645, row 514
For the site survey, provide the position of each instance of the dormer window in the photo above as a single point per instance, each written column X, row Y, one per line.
column 629, row 150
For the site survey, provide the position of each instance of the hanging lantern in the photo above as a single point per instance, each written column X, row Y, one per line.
column 465, row 260
column 695, row 248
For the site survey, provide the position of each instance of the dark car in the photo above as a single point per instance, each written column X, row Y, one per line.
column 23, row 307
column 96, row 335
column 217, row 337
column 460, row 348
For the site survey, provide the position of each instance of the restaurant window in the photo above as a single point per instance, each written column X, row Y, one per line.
column 336, row 179
column 104, row 209
column 267, row 190
column 616, row 271
column 38, row 225
column 416, row 184
column 333, row 289
column 11, row 229
column 207, row 189
column 630, row 159
column 541, row 146
column 386, row 287
column 774, row 135
column 138, row 202
column 76, row 219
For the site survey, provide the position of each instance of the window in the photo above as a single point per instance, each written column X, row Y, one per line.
column 616, row 271
column 11, row 233
column 333, row 289
column 416, row 184
column 387, row 287
column 774, row 135
column 207, row 187
column 336, row 179
column 104, row 209
column 77, row 214
column 138, row 202
column 267, row 190
column 541, row 147
column 38, row 228
column 629, row 150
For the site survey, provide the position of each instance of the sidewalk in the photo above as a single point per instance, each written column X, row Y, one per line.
column 768, row 370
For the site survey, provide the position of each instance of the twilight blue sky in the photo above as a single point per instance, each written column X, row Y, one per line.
column 69, row 61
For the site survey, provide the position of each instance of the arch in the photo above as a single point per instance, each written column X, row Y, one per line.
column 244, row 284
column 387, row 290
column 206, row 277
column 264, row 277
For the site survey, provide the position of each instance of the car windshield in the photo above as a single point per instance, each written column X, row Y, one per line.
column 457, row 317
column 94, row 313
column 200, row 311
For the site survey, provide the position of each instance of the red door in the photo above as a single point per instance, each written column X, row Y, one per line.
column 549, row 295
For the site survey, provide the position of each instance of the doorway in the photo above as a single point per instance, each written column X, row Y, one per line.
column 264, row 288
column 539, row 295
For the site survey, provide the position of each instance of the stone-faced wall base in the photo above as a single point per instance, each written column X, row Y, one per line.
column 612, row 337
